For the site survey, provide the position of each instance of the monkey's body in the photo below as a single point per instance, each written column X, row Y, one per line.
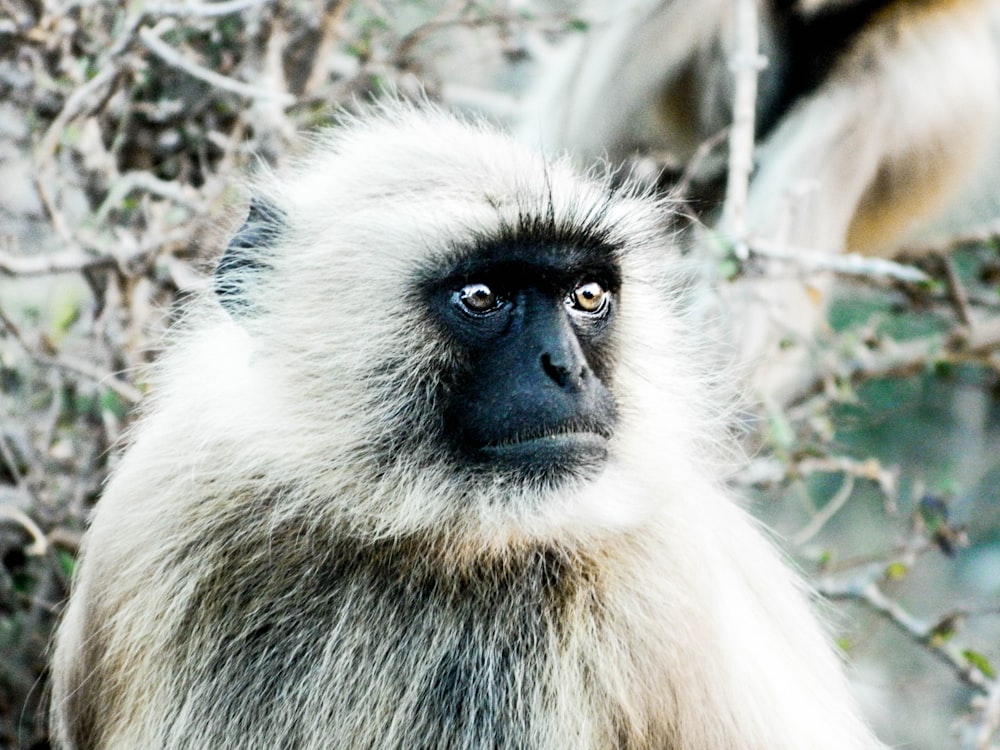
column 537, row 648
column 297, row 552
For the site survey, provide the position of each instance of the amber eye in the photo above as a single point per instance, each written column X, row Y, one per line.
column 590, row 297
column 478, row 298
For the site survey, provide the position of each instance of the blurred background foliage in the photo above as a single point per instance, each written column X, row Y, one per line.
column 126, row 130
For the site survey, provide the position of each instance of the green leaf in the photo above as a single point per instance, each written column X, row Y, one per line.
column 894, row 571
column 782, row 433
column 980, row 662
column 944, row 630
column 730, row 268
column 67, row 563
column 112, row 402
column 64, row 315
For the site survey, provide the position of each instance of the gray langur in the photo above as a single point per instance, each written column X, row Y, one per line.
column 878, row 127
column 433, row 470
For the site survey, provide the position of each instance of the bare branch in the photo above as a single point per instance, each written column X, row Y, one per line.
column 956, row 290
column 73, row 261
column 66, row 261
column 127, row 391
column 890, row 357
column 151, row 38
column 746, row 64
column 39, row 544
column 76, row 103
column 204, row 10
column 770, row 469
column 864, row 588
column 179, row 193
column 984, row 722
column 818, row 521
column 846, row 264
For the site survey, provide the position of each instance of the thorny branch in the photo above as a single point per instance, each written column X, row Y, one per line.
column 937, row 638
column 863, row 586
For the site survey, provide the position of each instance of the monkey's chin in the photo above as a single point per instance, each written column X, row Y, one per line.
column 548, row 454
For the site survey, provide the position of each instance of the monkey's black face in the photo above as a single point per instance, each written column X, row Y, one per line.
column 533, row 329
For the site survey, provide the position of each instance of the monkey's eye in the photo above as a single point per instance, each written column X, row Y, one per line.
column 478, row 298
column 589, row 297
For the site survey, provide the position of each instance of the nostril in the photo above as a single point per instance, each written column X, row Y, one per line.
column 556, row 372
column 562, row 375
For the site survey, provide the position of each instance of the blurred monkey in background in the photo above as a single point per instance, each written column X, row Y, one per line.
column 878, row 123
column 434, row 469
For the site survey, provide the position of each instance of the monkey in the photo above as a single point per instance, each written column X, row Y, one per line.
column 434, row 465
column 877, row 128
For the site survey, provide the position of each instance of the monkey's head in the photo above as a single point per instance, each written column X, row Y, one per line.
column 444, row 330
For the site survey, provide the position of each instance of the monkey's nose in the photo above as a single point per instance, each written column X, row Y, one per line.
column 564, row 375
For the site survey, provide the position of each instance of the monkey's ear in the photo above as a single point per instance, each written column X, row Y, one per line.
column 245, row 256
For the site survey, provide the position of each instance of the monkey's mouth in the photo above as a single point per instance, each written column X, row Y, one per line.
column 555, row 449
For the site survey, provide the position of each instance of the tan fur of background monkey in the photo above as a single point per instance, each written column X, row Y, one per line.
column 288, row 555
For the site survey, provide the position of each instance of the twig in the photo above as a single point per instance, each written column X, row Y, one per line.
column 956, row 290
column 57, row 406
column 75, row 103
column 108, row 68
column 321, row 66
column 151, row 38
column 74, row 261
column 979, row 729
column 915, row 355
column 847, row 264
column 13, row 329
column 171, row 190
column 863, row 588
column 981, row 338
column 126, row 390
column 772, row 470
column 65, row 261
column 39, row 544
column 11, row 461
column 447, row 16
column 745, row 65
column 828, row 511
column 204, row 10
column 700, row 155
column 869, row 594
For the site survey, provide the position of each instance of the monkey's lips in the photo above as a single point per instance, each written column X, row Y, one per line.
column 552, row 450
